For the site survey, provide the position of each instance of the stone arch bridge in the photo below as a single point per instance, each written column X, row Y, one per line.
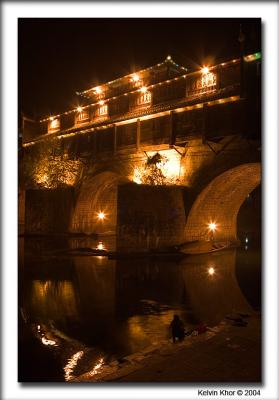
column 208, row 182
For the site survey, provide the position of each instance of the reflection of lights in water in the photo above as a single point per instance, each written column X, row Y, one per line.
column 56, row 297
column 246, row 247
column 48, row 342
column 100, row 246
column 211, row 271
column 94, row 371
column 72, row 362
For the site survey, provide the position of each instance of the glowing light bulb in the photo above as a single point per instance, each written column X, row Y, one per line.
column 135, row 78
column 143, row 89
column 205, row 70
column 212, row 226
column 51, row 118
column 101, row 215
column 98, row 90
column 168, row 57
column 101, row 102
column 79, row 109
column 100, row 246
column 211, row 271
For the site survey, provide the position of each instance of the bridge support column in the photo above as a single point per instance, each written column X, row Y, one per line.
column 138, row 134
column 204, row 116
column 115, row 140
column 172, row 133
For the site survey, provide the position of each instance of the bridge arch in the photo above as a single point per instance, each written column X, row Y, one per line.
column 219, row 202
column 98, row 194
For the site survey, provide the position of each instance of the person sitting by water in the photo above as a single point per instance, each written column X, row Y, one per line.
column 177, row 329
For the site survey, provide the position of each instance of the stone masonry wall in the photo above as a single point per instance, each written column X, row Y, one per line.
column 48, row 211
column 149, row 217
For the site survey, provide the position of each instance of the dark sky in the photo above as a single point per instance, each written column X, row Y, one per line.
column 58, row 57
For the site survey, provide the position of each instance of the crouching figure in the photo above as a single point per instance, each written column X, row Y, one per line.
column 177, row 329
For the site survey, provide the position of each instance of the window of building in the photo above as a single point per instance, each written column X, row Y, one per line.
column 206, row 81
column 54, row 125
column 82, row 116
column 144, row 98
column 136, row 81
column 103, row 110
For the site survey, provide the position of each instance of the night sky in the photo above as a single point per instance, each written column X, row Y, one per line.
column 58, row 57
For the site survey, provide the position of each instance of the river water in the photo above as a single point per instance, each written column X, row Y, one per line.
column 77, row 313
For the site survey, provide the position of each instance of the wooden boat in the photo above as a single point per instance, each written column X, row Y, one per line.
column 203, row 247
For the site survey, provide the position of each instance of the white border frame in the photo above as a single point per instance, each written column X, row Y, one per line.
column 268, row 11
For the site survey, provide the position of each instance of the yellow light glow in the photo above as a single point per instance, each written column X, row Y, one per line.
column 137, row 175
column 169, row 165
column 101, row 102
column 50, row 173
column 98, row 90
column 135, row 78
column 205, row 70
column 212, row 226
column 99, row 364
column 101, row 215
column 79, row 109
column 48, row 342
column 72, row 362
column 211, row 271
column 143, row 89
column 51, row 118
column 168, row 57
column 100, row 246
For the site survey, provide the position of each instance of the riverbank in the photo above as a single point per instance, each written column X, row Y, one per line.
column 225, row 353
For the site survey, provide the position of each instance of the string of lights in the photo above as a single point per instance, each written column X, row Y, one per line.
column 131, row 75
column 142, row 89
column 110, row 125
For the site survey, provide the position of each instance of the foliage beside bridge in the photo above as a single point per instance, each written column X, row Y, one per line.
column 48, row 166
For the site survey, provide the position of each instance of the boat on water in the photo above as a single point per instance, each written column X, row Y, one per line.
column 203, row 247
column 176, row 252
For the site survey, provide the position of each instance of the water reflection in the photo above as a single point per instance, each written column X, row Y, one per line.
column 51, row 300
column 211, row 271
column 212, row 287
column 71, row 364
column 113, row 308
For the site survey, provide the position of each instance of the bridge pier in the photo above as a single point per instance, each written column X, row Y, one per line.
column 149, row 217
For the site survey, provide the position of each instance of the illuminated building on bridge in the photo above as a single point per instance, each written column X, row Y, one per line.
column 163, row 125
column 162, row 104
